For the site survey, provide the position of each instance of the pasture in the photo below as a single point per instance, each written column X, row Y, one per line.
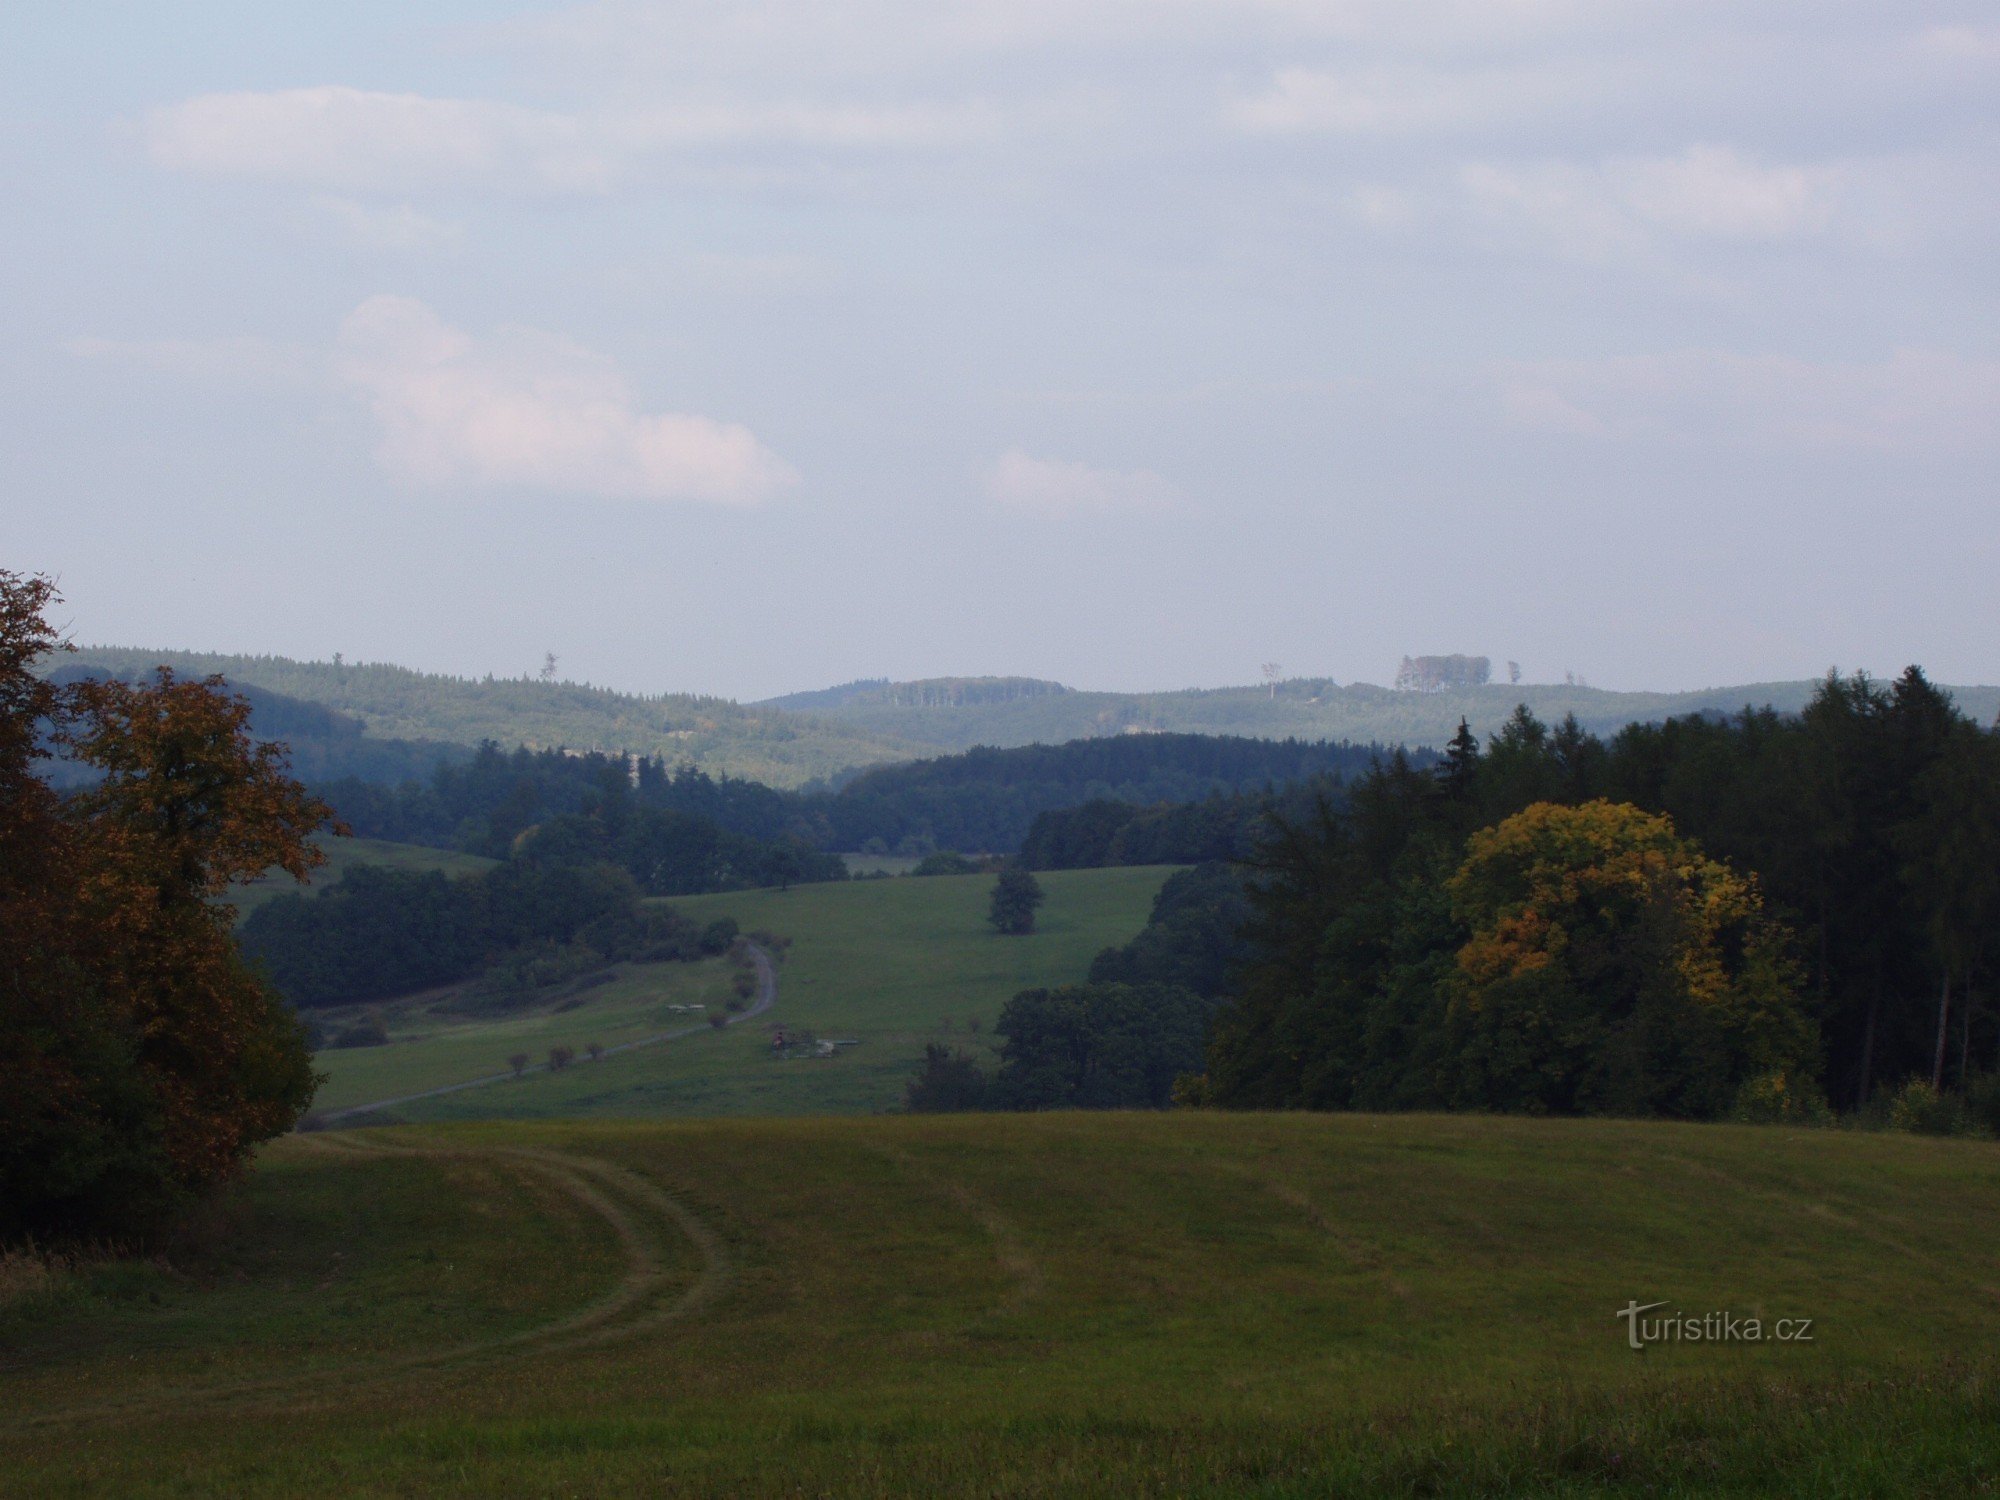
column 889, row 964
column 1185, row 1304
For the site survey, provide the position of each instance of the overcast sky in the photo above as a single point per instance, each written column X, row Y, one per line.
column 752, row 347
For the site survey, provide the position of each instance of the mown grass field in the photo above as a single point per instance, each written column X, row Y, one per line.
column 343, row 854
column 890, row 964
column 1186, row 1304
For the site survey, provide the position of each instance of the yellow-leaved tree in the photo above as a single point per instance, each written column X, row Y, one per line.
column 1614, row 968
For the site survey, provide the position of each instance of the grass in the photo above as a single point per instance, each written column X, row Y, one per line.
column 892, row 964
column 1187, row 1304
column 343, row 854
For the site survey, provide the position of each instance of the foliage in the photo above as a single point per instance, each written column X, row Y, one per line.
column 992, row 799
column 382, row 932
column 1192, row 940
column 1870, row 823
column 1016, row 894
column 1923, row 1110
column 949, row 1081
column 1780, row 1098
column 140, row 1060
column 1611, row 968
column 1098, row 1046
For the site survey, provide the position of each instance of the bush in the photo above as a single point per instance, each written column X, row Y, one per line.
column 948, row 1083
column 368, row 1033
column 1780, row 1099
column 1922, row 1110
column 1982, row 1102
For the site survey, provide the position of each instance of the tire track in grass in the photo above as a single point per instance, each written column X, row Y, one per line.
column 1010, row 1250
column 649, row 1294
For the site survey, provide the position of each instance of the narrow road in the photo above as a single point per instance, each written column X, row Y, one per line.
column 767, row 996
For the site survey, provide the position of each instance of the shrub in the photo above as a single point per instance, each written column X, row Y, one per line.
column 1922, row 1110
column 1780, row 1098
column 368, row 1033
column 1982, row 1102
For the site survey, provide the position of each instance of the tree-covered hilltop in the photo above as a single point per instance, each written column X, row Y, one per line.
column 1304, row 708
column 723, row 737
column 322, row 744
column 1702, row 916
column 988, row 799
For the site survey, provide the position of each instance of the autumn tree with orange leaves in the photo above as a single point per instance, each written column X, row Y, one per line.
column 1614, row 968
column 140, row 1060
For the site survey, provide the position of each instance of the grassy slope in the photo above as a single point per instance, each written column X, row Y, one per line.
column 718, row 735
column 1310, row 708
column 343, row 854
column 892, row 963
column 1057, row 1304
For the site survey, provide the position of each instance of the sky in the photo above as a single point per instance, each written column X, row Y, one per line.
column 748, row 348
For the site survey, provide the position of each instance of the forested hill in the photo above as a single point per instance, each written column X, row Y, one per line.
column 722, row 737
column 956, row 713
column 988, row 799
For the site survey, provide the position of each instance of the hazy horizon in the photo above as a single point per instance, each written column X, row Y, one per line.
column 1131, row 344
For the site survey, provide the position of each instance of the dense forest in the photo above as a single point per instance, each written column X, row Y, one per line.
column 985, row 800
column 989, row 800
column 1761, row 917
column 1695, row 917
column 525, row 925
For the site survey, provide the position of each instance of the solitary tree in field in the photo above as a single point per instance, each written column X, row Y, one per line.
column 1016, row 894
column 560, row 1058
column 595, row 1049
column 519, row 1063
column 140, row 1059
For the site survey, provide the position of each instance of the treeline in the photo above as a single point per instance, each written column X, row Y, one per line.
column 989, row 800
column 484, row 804
column 1191, row 796
column 1698, row 917
column 1122, row 1040
column 1219, row 827
column 379, row 932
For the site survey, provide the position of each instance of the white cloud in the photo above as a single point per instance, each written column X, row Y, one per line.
column 350, row 140
column 1973, row 44
column 530, row 409
column 1055, row 487
column 1916, row 400
column 393, row 229
column 231, row 358
column 1707, row 192
column 347, row 140
column 1392, row 101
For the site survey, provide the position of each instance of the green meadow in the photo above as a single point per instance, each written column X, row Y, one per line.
column 890, row 965
column 1061, row 1304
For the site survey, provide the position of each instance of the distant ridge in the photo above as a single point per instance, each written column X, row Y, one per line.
column 813, row 737
column 929, row 692
column 721, row 736
column 1305, row 708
